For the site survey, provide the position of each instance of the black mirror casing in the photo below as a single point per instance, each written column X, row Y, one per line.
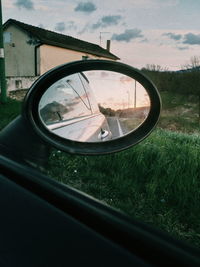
column 20, row 142
column 32, row 116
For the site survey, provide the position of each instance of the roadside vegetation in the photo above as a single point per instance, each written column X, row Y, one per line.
column 179, row 113
column 180, row 93
column 157, row 181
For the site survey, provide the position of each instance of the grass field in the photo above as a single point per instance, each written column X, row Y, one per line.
column 179, row 113
column 157, row 181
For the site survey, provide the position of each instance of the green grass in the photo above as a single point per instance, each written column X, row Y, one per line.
column 179, row 113
column 157, row 181
column 174, row 100
column 9, row 111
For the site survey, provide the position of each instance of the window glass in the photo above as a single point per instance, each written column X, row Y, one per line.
column 90, row 93
column 66, row 99
column 7, row 37
column 85, row 57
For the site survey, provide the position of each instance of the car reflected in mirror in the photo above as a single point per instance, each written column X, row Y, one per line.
column 94, row 106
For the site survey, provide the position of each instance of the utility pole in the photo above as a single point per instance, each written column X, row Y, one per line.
column 135, row 95
column 128, row 93
column 2, row 63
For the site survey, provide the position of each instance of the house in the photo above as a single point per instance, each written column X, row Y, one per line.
column 30, row 51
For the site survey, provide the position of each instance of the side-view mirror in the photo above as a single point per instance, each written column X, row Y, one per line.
column 92, row 107
column 85, row 107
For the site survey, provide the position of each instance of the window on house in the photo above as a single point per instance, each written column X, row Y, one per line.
column 18, row 84
column 7, row 37
column 85, row 57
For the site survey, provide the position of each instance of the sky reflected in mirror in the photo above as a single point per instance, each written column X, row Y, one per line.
column 117, row 91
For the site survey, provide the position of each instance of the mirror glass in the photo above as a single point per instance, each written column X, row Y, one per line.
column 94, row 106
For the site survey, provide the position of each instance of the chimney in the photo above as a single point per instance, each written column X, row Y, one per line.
column 108, row 45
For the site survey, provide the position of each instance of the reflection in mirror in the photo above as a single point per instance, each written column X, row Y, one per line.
column 94, row 106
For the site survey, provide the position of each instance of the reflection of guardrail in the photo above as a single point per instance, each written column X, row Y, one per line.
column 119, row 127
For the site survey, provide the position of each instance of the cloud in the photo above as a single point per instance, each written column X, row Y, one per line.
column 70, row 25
column 192, row 39
column 182, row 48
column 125, row 79
column 107, row 21
column 145, row 40
column 43, row 8
column 104, row 74
column 188, row 38
column 41, row 26
column 156, row 4
column 64, row 26
column 111, row 20
column 102, row 23
column 7, row 4
column 84, row 29
column 128, row 35
column 27, row 4
column 86, row 7
column 60, row 27
column 173, row 36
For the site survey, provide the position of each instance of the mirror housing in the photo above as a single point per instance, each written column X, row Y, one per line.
column 37, row 90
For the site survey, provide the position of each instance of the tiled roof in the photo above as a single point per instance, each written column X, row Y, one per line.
column 61, row 40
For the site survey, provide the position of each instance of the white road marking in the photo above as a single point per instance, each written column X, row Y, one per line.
column 119, row 127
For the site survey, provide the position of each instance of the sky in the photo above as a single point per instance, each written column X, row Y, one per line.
column 159, row 32
column 116, row 90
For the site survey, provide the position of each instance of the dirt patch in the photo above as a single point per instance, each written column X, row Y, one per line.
column 18, row 94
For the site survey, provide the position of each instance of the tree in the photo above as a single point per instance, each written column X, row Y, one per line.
column 154, row 67
column 160, row 76
column 193, row 63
